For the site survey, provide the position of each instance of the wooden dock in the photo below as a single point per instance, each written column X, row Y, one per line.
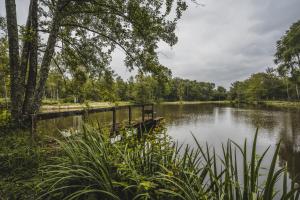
column 141, row 126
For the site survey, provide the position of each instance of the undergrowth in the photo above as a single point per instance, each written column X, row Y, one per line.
column 155, row 167
column 20, row 160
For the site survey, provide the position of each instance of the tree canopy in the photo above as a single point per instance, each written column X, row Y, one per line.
column 71, row 33
column 287, row 56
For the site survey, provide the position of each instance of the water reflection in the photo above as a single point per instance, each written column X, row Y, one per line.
column 52, row 127
column 214, row 124
column 290, row 148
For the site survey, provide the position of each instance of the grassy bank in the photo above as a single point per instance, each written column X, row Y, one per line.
column 282, row 104
column 194, row 102
column 53, row 105
column 88, row 166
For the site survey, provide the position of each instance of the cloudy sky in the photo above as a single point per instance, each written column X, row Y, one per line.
column 221, row 41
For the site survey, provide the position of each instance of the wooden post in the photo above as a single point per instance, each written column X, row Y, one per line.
column 143, row 113
column 139, row 132
column 85, row 116
column 129, row 115
column 152, row 113
column 114, row 120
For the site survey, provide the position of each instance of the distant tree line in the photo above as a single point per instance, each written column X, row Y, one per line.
column 140, row 89
column 262, row 86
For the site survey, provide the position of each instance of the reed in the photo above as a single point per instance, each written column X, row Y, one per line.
column 156, row 167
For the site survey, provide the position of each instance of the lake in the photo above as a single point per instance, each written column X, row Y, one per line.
column 215, row 124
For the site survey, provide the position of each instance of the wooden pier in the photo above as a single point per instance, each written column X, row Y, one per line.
column 141, row 126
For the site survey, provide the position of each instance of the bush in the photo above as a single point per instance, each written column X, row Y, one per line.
column 156, row 168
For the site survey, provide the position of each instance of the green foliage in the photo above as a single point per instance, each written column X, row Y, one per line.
column 4, row 118
column 20, row 159
column 287, row 56
column 4, row 69
column 260, row 86
column 156, row 168
column 141, row 89
column 91, row 32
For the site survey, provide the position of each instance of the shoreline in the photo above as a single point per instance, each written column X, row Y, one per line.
column 193, row 102
column 282, row 104
column 73, row 106
column 48, row 107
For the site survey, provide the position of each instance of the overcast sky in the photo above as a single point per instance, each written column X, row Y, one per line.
column 222, row 41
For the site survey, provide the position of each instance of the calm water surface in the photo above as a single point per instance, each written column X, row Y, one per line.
column 215, row 124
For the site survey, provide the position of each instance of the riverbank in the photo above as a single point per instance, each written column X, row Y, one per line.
column 54, row 105
column 194, row 102
column 75, row 106
column 282, row 104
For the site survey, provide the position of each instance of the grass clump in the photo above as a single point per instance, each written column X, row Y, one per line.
column 155, row 167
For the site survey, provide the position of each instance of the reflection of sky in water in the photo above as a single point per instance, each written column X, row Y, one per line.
column 215, row 125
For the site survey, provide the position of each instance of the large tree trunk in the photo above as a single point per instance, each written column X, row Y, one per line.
column 31, row 80
column 13, row 42
column 45, row 66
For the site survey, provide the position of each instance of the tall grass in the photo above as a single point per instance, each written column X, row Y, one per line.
column 156, row 167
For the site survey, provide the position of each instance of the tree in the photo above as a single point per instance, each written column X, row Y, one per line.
column 4, row 69
column 84, row 32
column 259, row 86
column 143, row 89
column 288, row 54
column 220, row 94
column 283, row 73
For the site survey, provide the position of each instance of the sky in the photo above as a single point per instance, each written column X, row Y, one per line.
column 220, row 41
